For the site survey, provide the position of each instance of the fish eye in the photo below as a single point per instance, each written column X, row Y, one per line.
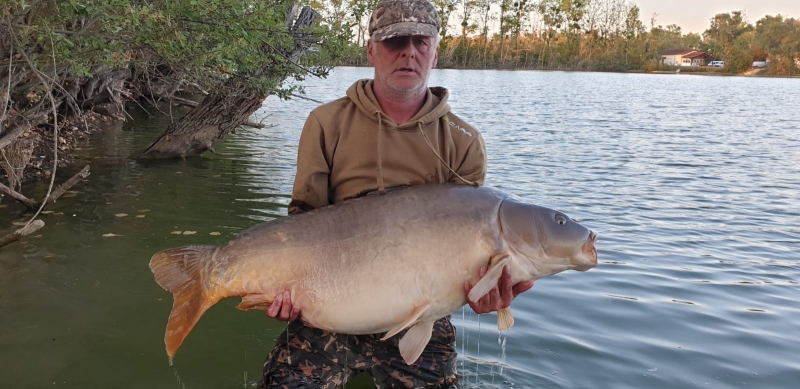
column 561, row 219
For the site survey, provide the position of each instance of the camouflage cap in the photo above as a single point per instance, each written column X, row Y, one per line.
column 393, row 18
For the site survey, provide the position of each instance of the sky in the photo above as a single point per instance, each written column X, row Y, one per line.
column 695, row 15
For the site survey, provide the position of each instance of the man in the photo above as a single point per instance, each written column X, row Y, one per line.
column 389, row 132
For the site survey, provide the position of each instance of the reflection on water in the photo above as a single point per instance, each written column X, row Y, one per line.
column 692, row 182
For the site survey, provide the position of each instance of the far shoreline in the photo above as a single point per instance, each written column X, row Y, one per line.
column 675, row 72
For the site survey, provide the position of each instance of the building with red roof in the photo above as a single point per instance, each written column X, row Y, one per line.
column 685, row 57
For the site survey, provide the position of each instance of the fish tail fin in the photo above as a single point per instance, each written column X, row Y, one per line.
column 178, row 271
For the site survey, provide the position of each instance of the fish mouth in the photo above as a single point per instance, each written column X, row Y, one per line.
column 589, row 252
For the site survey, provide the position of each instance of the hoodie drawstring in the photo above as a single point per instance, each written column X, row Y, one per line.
column 464, row 180
column 379, row 167
column 381, row 188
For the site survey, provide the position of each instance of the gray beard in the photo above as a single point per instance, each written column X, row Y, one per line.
column 401, row 93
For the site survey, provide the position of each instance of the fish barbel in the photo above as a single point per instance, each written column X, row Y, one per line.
column 377, row 264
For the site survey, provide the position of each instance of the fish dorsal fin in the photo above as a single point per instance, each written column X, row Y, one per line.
column 411, row 320
column 504, row 319
column 414, row 341
column 491, row 277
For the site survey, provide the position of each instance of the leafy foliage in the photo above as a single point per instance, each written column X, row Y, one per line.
column 207, row 42
column 779, row 39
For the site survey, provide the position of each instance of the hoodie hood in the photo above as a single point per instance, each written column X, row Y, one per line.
column 435, row 106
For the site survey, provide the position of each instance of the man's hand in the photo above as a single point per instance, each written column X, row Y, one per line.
column 500, row 296
column 282, row 308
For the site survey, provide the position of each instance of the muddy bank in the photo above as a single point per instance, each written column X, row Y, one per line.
column 37, row 142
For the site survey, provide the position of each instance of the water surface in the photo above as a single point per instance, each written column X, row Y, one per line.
column 692, row 182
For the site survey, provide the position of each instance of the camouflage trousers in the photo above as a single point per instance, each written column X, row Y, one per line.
column 306, row 357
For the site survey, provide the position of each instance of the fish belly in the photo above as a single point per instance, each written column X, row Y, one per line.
column 376, row 303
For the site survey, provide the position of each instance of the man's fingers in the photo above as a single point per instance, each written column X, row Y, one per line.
column 493, row 298
column 275, row 307
column 484, row 303
column 467, row 288
column 500, row 296
column 295, row 313
column 476, row 305
column 487, row 303
column 506, row 273
column 505, row 287
column 286, row 309
column 282, row 308
column 521, row 287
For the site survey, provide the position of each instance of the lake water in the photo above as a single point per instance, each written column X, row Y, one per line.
column 692, row 182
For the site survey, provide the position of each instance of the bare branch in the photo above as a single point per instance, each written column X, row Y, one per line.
column 307, row 98
column 255, row 125
column 7, row 97
column 64, row 187
column 55, row 117
column 15, row 132
column 32, row 204
column 186, row 102
column 291, row 61
column 29, row 228
column 58, row 192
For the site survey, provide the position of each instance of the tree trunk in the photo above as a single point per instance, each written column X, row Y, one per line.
column 220, row 113
column 216, row 116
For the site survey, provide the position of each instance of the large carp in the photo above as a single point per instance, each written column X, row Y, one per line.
column 379, row 263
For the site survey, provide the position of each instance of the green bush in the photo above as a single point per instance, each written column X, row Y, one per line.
column 207, row 41
column 737, row 60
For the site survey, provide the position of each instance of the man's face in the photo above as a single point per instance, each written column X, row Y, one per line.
column 403, row 63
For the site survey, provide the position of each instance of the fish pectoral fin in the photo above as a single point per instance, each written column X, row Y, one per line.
column 491, row 277
column 414, row 341
column 255, row 301
column 504, row 319
column 408, row 322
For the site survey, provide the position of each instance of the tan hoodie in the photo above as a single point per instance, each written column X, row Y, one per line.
column 349, row 148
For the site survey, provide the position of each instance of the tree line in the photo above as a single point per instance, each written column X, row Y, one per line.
column 594, row 35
